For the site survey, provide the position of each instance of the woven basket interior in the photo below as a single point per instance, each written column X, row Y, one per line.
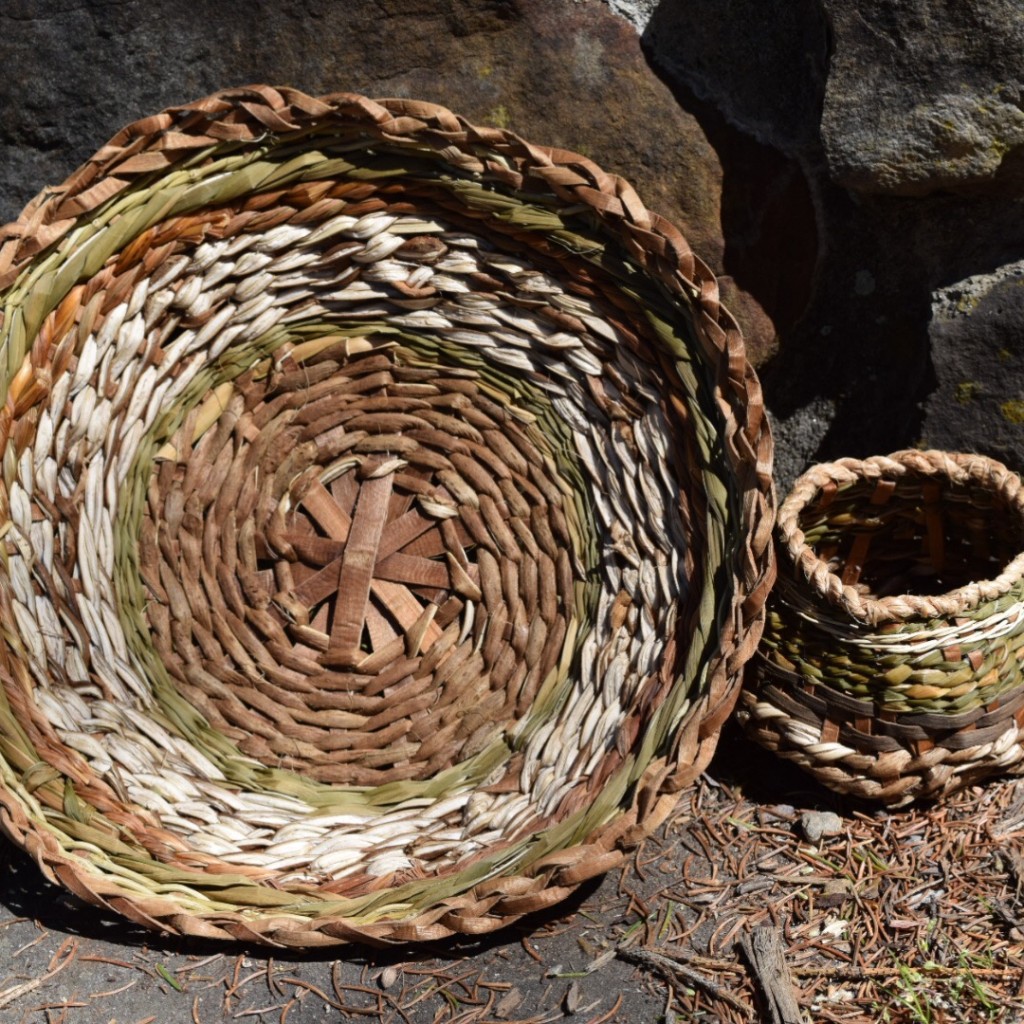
column 917, row 535
column 386, row 507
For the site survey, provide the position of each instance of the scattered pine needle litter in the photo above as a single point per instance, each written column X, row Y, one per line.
column 61, row 959
column 909, row 916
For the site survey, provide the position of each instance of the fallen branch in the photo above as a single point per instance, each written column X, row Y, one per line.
column 764, row 951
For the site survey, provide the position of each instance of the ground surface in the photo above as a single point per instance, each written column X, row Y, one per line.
column 907, row 916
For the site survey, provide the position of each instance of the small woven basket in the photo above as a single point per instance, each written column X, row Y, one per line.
column 890, row 666
column 386, row 520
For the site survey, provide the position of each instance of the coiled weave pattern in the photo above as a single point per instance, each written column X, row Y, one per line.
column 386, row 512
column 890, row 666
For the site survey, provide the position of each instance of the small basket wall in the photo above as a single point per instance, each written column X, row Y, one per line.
column 386, row 516
column 890, row 666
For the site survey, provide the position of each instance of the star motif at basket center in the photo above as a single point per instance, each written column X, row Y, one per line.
column 375, row 581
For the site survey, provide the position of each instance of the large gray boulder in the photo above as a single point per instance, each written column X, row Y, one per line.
column 901, row 121
column 906, row 97
column 925, row 95
column 761, row 63
column 977, row 347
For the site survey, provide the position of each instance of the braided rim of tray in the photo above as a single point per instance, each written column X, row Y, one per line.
column 904, row 696
column 175, row 302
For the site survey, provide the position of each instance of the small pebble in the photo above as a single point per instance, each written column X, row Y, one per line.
column 835, row 892
column 816, row 824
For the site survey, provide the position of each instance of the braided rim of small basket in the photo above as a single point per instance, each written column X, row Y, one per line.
column 271, row 143
column 954, row 467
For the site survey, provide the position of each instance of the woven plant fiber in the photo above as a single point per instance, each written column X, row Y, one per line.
column 890, row 666
column 386, row 519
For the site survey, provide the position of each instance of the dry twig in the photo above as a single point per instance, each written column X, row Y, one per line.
column 674, row 970
column 765, row 953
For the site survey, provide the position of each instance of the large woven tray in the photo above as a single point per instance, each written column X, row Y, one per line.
column 386, row 509
column 890, row 666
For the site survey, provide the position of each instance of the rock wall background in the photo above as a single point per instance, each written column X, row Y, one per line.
column 854, row 169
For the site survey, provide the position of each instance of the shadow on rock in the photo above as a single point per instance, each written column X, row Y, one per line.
column 846, row 274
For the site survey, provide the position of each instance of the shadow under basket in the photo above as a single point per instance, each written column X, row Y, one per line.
column 386, row 513
column 890, row 665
